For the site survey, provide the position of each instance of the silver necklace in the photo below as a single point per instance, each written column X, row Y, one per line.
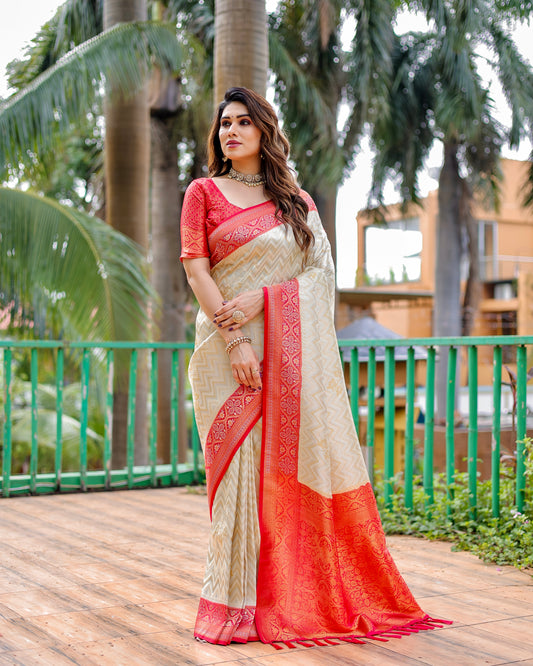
column 251, row 180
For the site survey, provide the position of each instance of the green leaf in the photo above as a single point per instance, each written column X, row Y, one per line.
column 118, row 61
column 68, row 274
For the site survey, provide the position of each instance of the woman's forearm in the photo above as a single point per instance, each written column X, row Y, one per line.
column 210, row 299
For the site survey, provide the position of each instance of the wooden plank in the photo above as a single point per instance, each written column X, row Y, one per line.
column 108, row 578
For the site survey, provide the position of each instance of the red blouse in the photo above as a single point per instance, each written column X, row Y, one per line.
column 204, row 208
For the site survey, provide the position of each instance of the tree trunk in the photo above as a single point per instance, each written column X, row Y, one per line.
column 326, row 203
column 447, row 302
column 473, row 285
column 126, row 163
column 241, row 46
column 168, row 276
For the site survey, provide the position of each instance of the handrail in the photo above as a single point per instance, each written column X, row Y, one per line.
column 378, row 415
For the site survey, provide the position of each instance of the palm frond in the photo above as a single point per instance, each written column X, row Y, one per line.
column 516, row 78
column 75, row 274
column 306, row 102
column 528, row 185
column 198, row 19
column 118, row 59
column 402, row 137
column 74, row 22
column 370, row 68
column 294, row 79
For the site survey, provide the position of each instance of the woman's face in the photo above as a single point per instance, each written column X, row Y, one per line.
column 239, row 138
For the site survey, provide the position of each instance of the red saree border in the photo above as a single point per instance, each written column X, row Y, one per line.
column 232, row 424
column 241, row 228
column 222, row 625
column 282, row 384
column 325, row 573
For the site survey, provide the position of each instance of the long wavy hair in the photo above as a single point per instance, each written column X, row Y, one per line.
column 280, row 184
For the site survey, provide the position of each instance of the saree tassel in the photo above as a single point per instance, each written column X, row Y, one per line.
column 352, row 639
column 277, row 646
column 289, row 644
column 425, row 626
column 435, row 619
column 330, row 642
column 311, row 644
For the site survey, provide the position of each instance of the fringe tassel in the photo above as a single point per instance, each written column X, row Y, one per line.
column 352, row 639
column 428, row 624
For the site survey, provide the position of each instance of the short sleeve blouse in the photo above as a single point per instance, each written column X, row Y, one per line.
column 204, row 208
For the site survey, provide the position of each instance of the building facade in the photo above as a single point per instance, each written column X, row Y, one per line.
column 396, row 265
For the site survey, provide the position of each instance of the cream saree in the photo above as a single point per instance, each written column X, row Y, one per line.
column 296, row 551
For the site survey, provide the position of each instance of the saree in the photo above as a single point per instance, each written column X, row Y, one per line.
column 297, row 552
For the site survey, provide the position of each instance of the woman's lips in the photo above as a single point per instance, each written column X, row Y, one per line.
column 232, row 144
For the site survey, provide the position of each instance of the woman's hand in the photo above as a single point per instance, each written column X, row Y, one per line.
column 249, row 303
column 245, row 366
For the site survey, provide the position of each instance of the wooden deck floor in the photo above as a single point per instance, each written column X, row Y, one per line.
column 114, row 578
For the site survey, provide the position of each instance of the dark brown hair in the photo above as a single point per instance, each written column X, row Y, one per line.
column 280, row 184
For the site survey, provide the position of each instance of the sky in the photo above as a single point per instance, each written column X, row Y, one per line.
column 21, row 20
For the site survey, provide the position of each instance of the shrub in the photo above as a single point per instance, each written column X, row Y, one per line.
column 507, row 539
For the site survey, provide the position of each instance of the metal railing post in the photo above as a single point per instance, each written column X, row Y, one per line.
column 429, row 427
column 472, row 429
column 409, row 428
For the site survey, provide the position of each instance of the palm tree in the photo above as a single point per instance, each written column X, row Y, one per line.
column 315, row 77
column 67, row 88
column 48, row 104
column 127, row 184
column 172, row 121
column 241, row 46
column 437, row 93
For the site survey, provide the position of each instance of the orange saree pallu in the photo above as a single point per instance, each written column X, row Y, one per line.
column 297, row 552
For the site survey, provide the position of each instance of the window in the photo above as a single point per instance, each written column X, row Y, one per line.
column 488, row 250
column 393, row 252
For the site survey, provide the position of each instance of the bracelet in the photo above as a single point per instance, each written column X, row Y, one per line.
column 237, row 341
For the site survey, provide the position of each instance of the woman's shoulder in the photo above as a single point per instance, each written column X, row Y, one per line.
column 198, row 185
column 308, row 200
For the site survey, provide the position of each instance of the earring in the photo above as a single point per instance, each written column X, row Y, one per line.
column 224, row 159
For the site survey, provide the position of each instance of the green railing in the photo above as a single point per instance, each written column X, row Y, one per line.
column 380, row 363
column 515, row 346
column 100, row 359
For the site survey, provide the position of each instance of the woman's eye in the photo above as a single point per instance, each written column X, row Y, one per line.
column 245, row 122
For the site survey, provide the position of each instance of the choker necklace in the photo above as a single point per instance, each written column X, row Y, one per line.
column 251, row 180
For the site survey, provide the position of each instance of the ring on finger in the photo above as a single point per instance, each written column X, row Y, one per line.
column 255, row 371
column 238, row 316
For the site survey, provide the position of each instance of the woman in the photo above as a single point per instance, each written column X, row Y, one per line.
column 296, row 551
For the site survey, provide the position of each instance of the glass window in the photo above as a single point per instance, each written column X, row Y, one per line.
column 393, row 252
column 488, row 254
